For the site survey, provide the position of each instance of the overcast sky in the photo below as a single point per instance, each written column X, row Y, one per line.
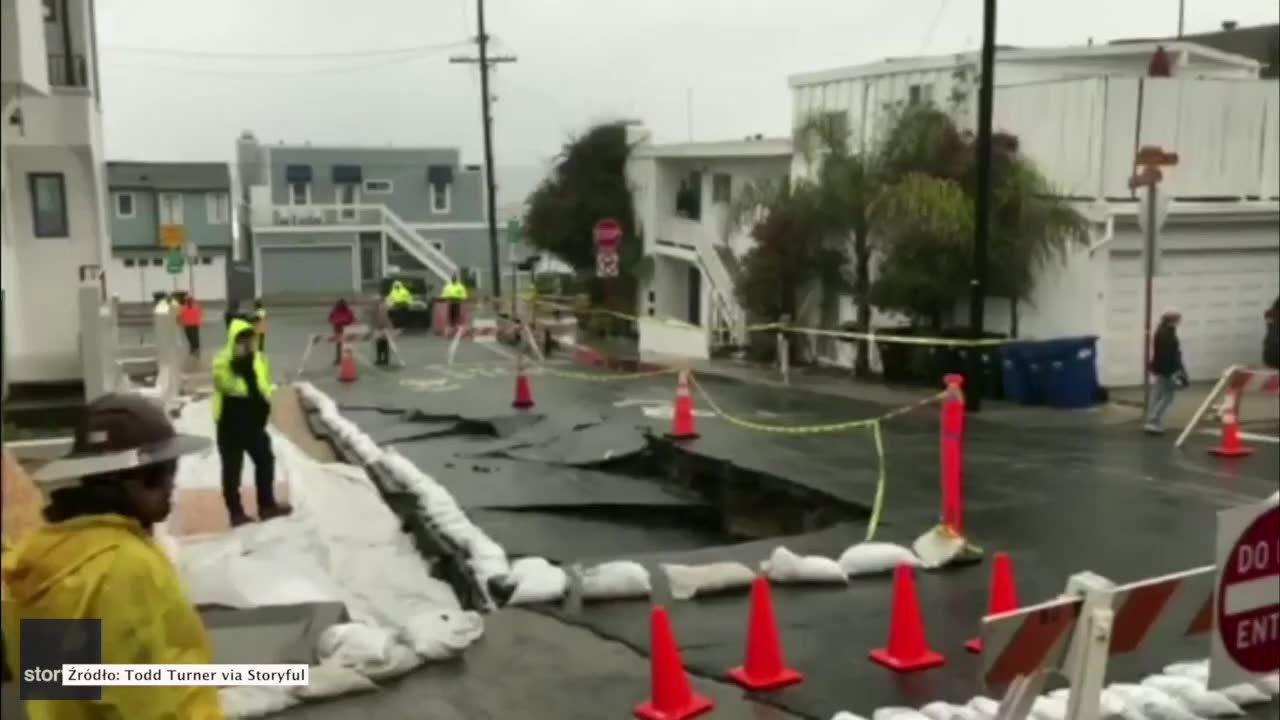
column 181, row 79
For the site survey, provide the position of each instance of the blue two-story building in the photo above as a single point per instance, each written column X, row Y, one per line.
column 157, row 209
column 331, row 221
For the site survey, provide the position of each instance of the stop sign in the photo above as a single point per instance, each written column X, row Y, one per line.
column 607, row 234
column 1248, row 598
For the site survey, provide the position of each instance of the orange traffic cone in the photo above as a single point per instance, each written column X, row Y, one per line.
column 907, row 650
column 682, row 418
column 764, row 668
column 1002, row 596
column 524, row 396
column 1229, row 444
column 347, row 367
column 671, row 698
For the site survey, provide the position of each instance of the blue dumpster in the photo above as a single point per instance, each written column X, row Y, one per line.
column 1060, row 373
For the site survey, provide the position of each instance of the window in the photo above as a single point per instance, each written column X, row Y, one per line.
column 378, row 187
column 721, row 188
column 689, row 197
column 218, row 206
column 920, row 94
column 299, row 193
column 206, row 261
column 129, row 262
column 170, row 208
column 440, row 197
column 50, row 11
column 157, row 262
column 48, row 205
column 124, row 205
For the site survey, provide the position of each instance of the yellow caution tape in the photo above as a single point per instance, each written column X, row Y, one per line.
column 604, row 377
column 899, row 339
column 807, row 429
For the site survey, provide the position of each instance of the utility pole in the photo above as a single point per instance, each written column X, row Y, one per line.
column 486, row 114
column 982, row 207
column 1182, row 16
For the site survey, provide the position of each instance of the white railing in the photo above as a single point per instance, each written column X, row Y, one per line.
column 728, row 317
column 378, row 217
column 414, row 244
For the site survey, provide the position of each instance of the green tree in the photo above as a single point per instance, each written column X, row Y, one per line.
column 588, row 183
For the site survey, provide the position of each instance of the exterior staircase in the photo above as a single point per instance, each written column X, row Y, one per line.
column 728, row 319
column 440, row 265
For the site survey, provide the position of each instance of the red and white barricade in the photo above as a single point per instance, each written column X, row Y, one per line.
column 1226, row 398
column 351, row 338
column 1076, row 635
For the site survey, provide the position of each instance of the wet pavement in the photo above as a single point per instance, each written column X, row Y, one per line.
column 1059, row 496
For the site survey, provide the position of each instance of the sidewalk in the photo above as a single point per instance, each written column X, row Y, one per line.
column 1256, row 408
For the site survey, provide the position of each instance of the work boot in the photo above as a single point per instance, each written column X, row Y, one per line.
column 239, row 518
column 270, row 512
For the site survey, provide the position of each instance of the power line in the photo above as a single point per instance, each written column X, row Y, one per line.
column 249, row 71
column 178, row 52
column 933, row 26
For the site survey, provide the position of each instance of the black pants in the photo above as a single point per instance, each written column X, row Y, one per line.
column 193, row 338
column 455, row 314
column 233, row 443
column 383, row 349
column 262, row 342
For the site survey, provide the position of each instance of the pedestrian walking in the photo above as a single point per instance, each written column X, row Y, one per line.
column 190, row 317
column 241, row 408
column 1167, row 370
column 380, row 324
column 96, row 559
column 340, row 318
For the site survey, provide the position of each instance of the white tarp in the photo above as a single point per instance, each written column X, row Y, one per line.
column 342, row 543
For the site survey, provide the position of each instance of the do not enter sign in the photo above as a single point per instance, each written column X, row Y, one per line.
column 1247, row 613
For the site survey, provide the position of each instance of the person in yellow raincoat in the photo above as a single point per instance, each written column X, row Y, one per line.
column 455, row 294
column 96, row 559
column 399, row 296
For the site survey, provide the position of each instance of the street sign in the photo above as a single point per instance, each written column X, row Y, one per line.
column 514, row 231
column 607, row 264
column 607, row 234
column 173, row 262
column 1246, row 642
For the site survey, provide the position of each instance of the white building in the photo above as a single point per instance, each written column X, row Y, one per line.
column 53, row 196
column 1081, row 114
column 682, row 194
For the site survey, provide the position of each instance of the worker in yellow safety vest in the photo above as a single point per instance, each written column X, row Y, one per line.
column 399, row 296
column 454, row 293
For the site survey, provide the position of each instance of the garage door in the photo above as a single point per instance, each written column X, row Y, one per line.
column 306, row 271
column 1222, row 296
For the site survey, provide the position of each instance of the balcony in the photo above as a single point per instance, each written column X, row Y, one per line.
column 22, row 46
column 1083, row 134
column 68, row 71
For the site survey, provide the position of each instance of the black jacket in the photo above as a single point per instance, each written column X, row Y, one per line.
column 1166, row 353
column 245, row 415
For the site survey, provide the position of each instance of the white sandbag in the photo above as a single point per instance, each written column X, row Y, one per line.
column 1047, row 708
column 687, row 581
column 846, row 715
column 370, row 650
column 442, row 634
column 615, row 580
column 984, row 706
column 252, row 701
column 1111, row 705
column 536, row 581
column 947, row 711
column 875, row 557
column 1153, row 703
column 1196, row 670
column 1195, row 696
column 898, row 713
column 328, row 680
column 1269, row 684
column 1245, row 694
column 784, row 566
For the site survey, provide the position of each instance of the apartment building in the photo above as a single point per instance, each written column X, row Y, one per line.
column 52, row 183
column 682, row 194
column 1081, row 113
column 159, row 210
column 333, row 220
